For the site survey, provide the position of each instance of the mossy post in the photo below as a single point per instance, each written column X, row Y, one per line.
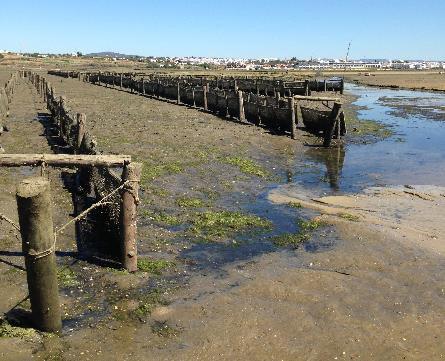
column 130, row 200
column 292, row 117
column 36, row 228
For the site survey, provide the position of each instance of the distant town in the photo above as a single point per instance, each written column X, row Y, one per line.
column 249, row 64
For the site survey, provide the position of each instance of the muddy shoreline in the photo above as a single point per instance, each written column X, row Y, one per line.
column 218, row 282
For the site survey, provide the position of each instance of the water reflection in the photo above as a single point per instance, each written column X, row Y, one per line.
column 414, row 155
column 333, row 159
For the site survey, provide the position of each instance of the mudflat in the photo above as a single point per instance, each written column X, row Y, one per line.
column 235, row 264
column 418, row 80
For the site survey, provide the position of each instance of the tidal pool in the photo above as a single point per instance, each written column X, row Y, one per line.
column 414, row 154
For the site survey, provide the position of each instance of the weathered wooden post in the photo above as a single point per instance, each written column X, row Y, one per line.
column 36, row 228
column 178, row 93
column 329, row 129
column 143, row 86
column 132, row 175
column 241, row 106
column 277, row 98
column 342, row 85
column 292, row 118
column 325, row 85
column 98, row 78
column 204, row 95
column 193, row 96
column 81, row 130
column 121, row 81
column 306, row 87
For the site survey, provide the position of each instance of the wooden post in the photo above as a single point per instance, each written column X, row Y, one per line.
column 178, row 99
column 241, row 105
column 204, row 95
column 306, row 88
column 329, row 129
column 131, row 174
column 342, row 85
column 193, row 96
column 36, row 228
column 143, row 86
column 81, row 129
column 325, row 85
column 277, row 98
column 293, row 125
column 121, row 81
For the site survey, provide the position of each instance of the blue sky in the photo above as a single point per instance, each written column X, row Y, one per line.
column 229, row 28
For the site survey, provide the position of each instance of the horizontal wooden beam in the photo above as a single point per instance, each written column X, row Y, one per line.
column 63, row 160
column 317, row 99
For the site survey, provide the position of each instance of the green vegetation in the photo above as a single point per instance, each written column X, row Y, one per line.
column 349, row 217
column 8, row 331
column 159, row 192
column 186, row 202
column 295, row 205
column 154, row 266
column 311, row 225
column 162, row 329
column 290, row 239
column 66, row 277
column 151, row 172
column 221, row 223
column 209, row 193
column 162, row 217
column 246, row 166
column 304, row 234
column 148, row 302
column 363, row 127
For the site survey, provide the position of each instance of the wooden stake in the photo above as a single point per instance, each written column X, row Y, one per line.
column 178, row 99
column 204, row 94
column 292, row 118
column 36, row 228
column 132, row 174
column 329, row 129
column 81, row 129
column 241, row 105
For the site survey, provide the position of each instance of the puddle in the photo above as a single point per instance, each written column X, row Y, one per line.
column 413, row 155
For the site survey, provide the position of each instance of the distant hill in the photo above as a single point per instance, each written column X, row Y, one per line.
column 111, row 54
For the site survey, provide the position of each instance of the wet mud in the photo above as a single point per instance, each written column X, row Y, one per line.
column 218, row 281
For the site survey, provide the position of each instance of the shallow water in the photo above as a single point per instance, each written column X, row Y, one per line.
column 415, row 154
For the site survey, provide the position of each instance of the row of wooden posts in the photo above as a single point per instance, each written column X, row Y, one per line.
column 274, row 112
column 6, row 94
column 287, row 86
column 35, row 210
